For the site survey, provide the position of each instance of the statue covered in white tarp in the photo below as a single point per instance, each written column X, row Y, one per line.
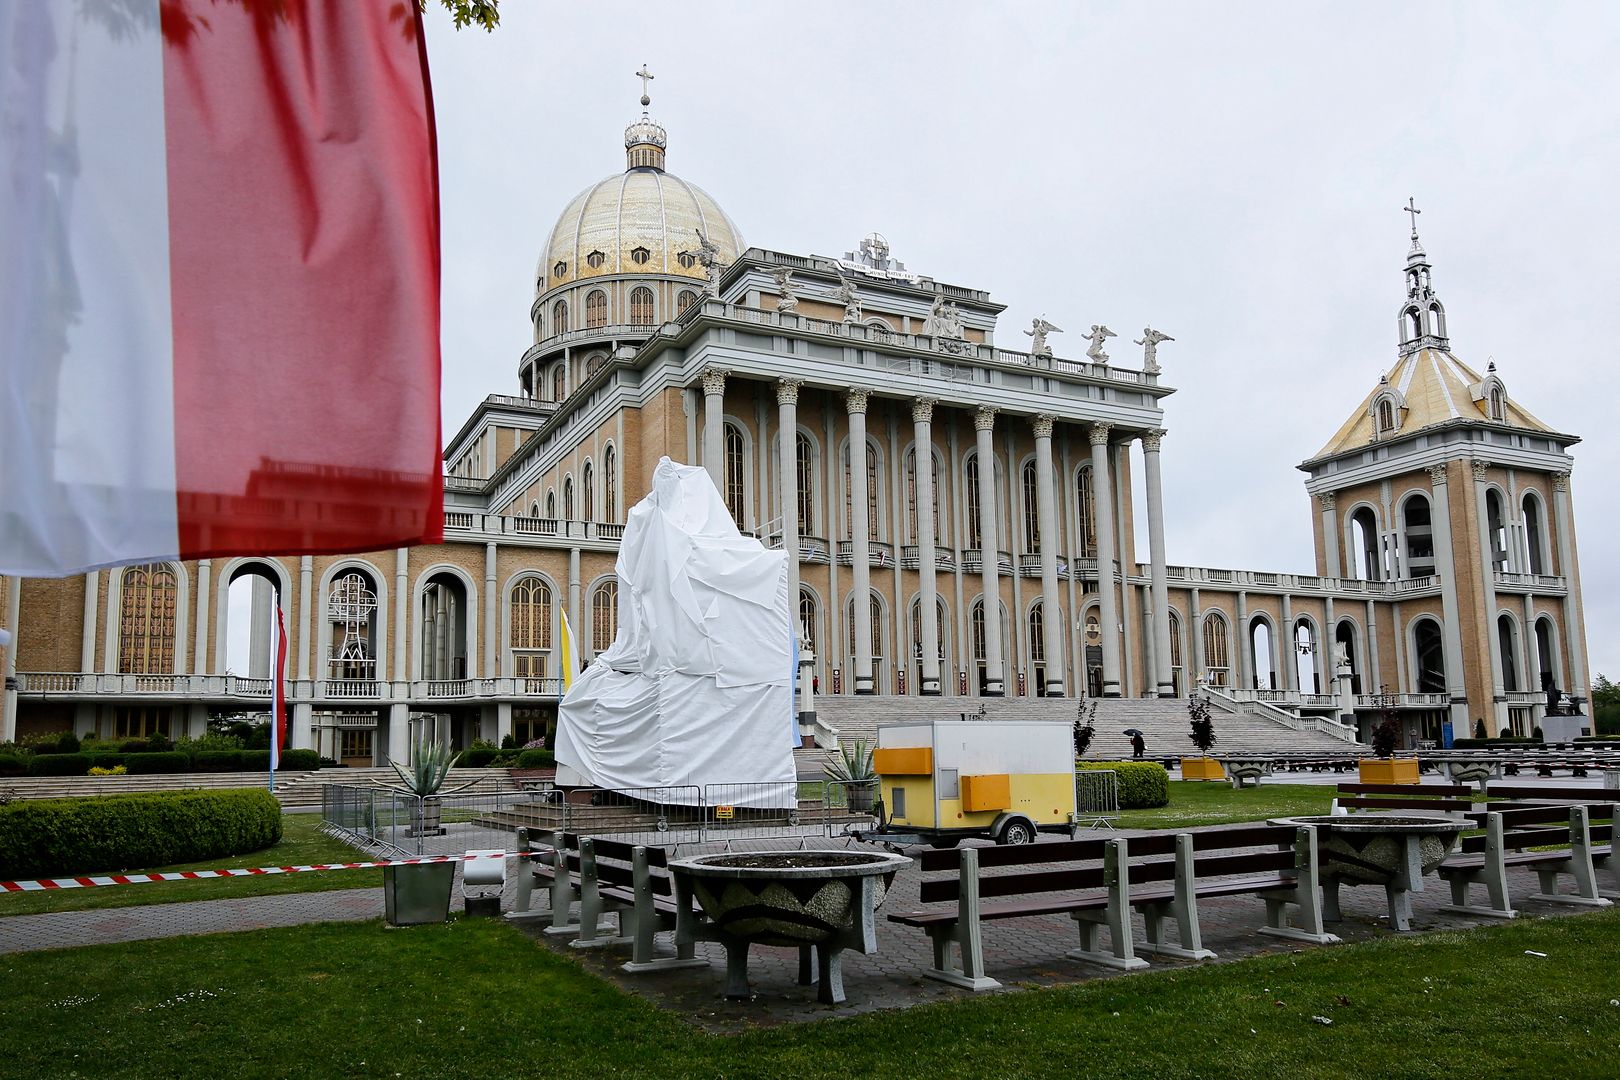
column 695, row 689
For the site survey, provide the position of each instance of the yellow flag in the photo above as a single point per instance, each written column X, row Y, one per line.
column 570, row 653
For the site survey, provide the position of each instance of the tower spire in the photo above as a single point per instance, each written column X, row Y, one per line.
column 1422, row 321
column 645, row 140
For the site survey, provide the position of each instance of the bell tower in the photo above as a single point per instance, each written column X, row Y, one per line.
column 1422, row 321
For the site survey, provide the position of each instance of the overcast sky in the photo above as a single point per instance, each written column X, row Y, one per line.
column 1230, row 174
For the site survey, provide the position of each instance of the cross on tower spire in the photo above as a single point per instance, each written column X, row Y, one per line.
column 1411, row 208
column 646, row 77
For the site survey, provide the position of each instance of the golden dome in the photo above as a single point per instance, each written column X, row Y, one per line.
column 637, row 222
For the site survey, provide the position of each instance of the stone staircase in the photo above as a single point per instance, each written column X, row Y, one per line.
column 295, row 790
column 1162, row 721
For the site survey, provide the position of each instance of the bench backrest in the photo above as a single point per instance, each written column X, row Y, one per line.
column 1406, row 789
column 1414, row 803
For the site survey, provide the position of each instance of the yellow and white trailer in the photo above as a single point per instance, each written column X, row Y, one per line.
column 944, row 780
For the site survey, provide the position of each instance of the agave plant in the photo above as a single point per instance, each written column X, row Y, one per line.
column 426, row 774
column 853, row 765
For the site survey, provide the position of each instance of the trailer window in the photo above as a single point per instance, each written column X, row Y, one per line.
column 949, row 787
column 898, row 803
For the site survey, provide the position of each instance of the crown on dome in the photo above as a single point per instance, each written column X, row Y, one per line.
column 645, row 140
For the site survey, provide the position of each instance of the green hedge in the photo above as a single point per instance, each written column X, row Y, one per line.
column 57, row 837
column 106, row 761
column 256, row 760
column 216, row 760
column 13, row 765
column 300, row 759
column 1498, row 743
column 168, row 762
column 1142, row 784
column 59, row 765
column 479, row 757
column 536, row 759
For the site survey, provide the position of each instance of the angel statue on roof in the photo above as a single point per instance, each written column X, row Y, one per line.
column 1150, row 348
column 1098, row 335
column 1037, row 332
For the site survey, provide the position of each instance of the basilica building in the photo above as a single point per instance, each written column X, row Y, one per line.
column 959, row 518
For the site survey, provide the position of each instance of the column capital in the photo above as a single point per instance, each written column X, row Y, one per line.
column 1099, row 434
column 1327, row 500
column 1480, row 465
column 922, row 409
column 787, row 391
column 714, row 380
column 856, row 398
column 1560, row 481
column 1439, row 474
column 1043, row 426
column 984, row 418
column 1151, row 440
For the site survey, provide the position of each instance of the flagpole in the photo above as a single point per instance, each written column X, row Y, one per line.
column 275, row 645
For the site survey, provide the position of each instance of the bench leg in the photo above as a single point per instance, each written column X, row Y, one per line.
column 1461, row 880
column 969, row 974
column 1310, row 896
column 1330, row 901
column 1399, row 900
column 831, row 971
column 737, row 971
column 1117, row 916
column 644, row 957
column 1184, row 908
column 1586, row 894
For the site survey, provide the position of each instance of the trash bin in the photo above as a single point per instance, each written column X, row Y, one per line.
column 418, row 894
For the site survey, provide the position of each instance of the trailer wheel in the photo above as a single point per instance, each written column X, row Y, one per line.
column 1016, row 831
column 944, row 842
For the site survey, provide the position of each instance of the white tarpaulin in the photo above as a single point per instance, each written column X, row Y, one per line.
column 695, row 689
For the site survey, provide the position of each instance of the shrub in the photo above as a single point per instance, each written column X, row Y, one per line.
column 1537, row 735
column 1203, row 724
column 167, row 761
column 134, row 746
column 55, row 837
column 300, row 759
column 106, row 761
column 217, row 760
column 67, row 743
column 13, row 765
column 1479, row 729
column 59, row 765
column 116, row 770
column 1142, row 784
column 479, row 757
column 256, row 760
column 536, row 759
column 158, row 741
column 509, row 741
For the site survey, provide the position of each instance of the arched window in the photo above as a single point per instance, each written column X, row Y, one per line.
column 146, row 623
column 807, row 617
column 1386, row 416
column 1507, row 634
column 559, row 317
column 1534, row 558
column 736, row 473
column 1175, row 652
column 1344, row 643
column 1217, row 658
column 559, row 382
column 1037, row 638
column 686, row 299
column 596, row 362
column 568, row 498
column 587, row 488
column 911, row 498
column 1032, row 520
column 804, row 465
column 551, row 505
column 641, row 306
column 1430, row 668
column 1414, row 321
column 1497, row 524
column 610, row 484
column 1498, row 409
column 1366, row 558
column 876, row 609
column 352, row 612
column 979, row 648
column 1306, row 654
column 1087, row 506
column 1547, row 653
column 940, row 623
column 975, row 536
column 1265, row 677
column 872, row 501
column 596, row 309
column 604, row 615
column 1418, row 537
column 1437, row 321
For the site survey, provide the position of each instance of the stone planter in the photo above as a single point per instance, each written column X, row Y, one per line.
column 1201, row 768
column 1480, row 771
column 419, row 894
column 1394, row 851
column 816, row 900
column 1389, row 770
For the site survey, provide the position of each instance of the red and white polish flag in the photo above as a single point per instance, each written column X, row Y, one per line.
column 219, row 281
column 278, row 688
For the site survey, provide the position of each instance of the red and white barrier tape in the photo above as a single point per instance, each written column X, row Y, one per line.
column 93, row 881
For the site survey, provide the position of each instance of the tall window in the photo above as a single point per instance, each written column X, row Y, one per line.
column 807, row 617
column 1498, row 410
column 736, row 473
column 1175, row 651
column 1496, row 522
column 551, row 505
column 559, row 382
column 531, row 627
column 1533, row 560
column 804, row 466
column 1032, row 520
column 568, row 498
column 641, row 306
column 686, row 299
column 559, row 317
column 978, row 631
column 596, row 309
column 1419, row 536
column 872, row 501
column 604, row 615
column 1037, row 635
column 1431, row 657
column 610, row 484
column 588, row 490
column 1216, row 657
column 911, row 498
column 876, row 610
column 146, row 624
column 1087, row 505
column 1386, row 416
column 940, row 623
column 975, row 536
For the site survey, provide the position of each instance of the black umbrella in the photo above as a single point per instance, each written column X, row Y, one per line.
column 1132, row 731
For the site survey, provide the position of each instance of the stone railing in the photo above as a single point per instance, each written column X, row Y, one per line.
column 878, row 553
column 1409, row 701
column 1529, row 582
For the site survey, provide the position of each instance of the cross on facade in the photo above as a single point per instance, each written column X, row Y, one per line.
column 1411, row 208
column 645, row 76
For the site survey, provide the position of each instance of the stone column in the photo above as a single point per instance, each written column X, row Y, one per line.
column 306, row 615
column 205, row 615
column 1247, row 665
column 8, row 696
column 1487, row 580
column 787, row 422
column 714, row 412
column 1102, row 489
column 574, row 588
column 1445, row 565
column 1052, row 623
column 1574, row 616
column 1532, row 657
column 1288, row 649
column 1328, row 501
column 859, row 541
column 402, row 620
column 492, row 608
column 922, row 415
column 1163, row 676
column 87, row 628
column 984, row 424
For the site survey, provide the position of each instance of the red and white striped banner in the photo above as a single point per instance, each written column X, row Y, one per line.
column 93, row 881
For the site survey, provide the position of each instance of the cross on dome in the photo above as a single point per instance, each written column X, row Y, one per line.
column 1409, row 208
column 646, row 93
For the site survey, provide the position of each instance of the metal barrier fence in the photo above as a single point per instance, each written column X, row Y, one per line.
column 388, row 822
column 1096, row 797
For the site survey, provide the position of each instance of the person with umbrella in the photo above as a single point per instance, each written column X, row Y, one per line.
column 1138, row 746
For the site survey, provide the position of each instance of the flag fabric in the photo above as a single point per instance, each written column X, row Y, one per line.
column 278, row 691
column 219, row 277
column 570, row 654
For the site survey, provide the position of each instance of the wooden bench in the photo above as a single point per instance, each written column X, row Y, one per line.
column 1485, row 860
column 1119, row 875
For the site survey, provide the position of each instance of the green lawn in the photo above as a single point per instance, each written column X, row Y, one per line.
column 301, row 844
column 478, row 999
column 1202, row 802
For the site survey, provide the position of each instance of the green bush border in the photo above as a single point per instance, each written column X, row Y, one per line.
column 1143, row 785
